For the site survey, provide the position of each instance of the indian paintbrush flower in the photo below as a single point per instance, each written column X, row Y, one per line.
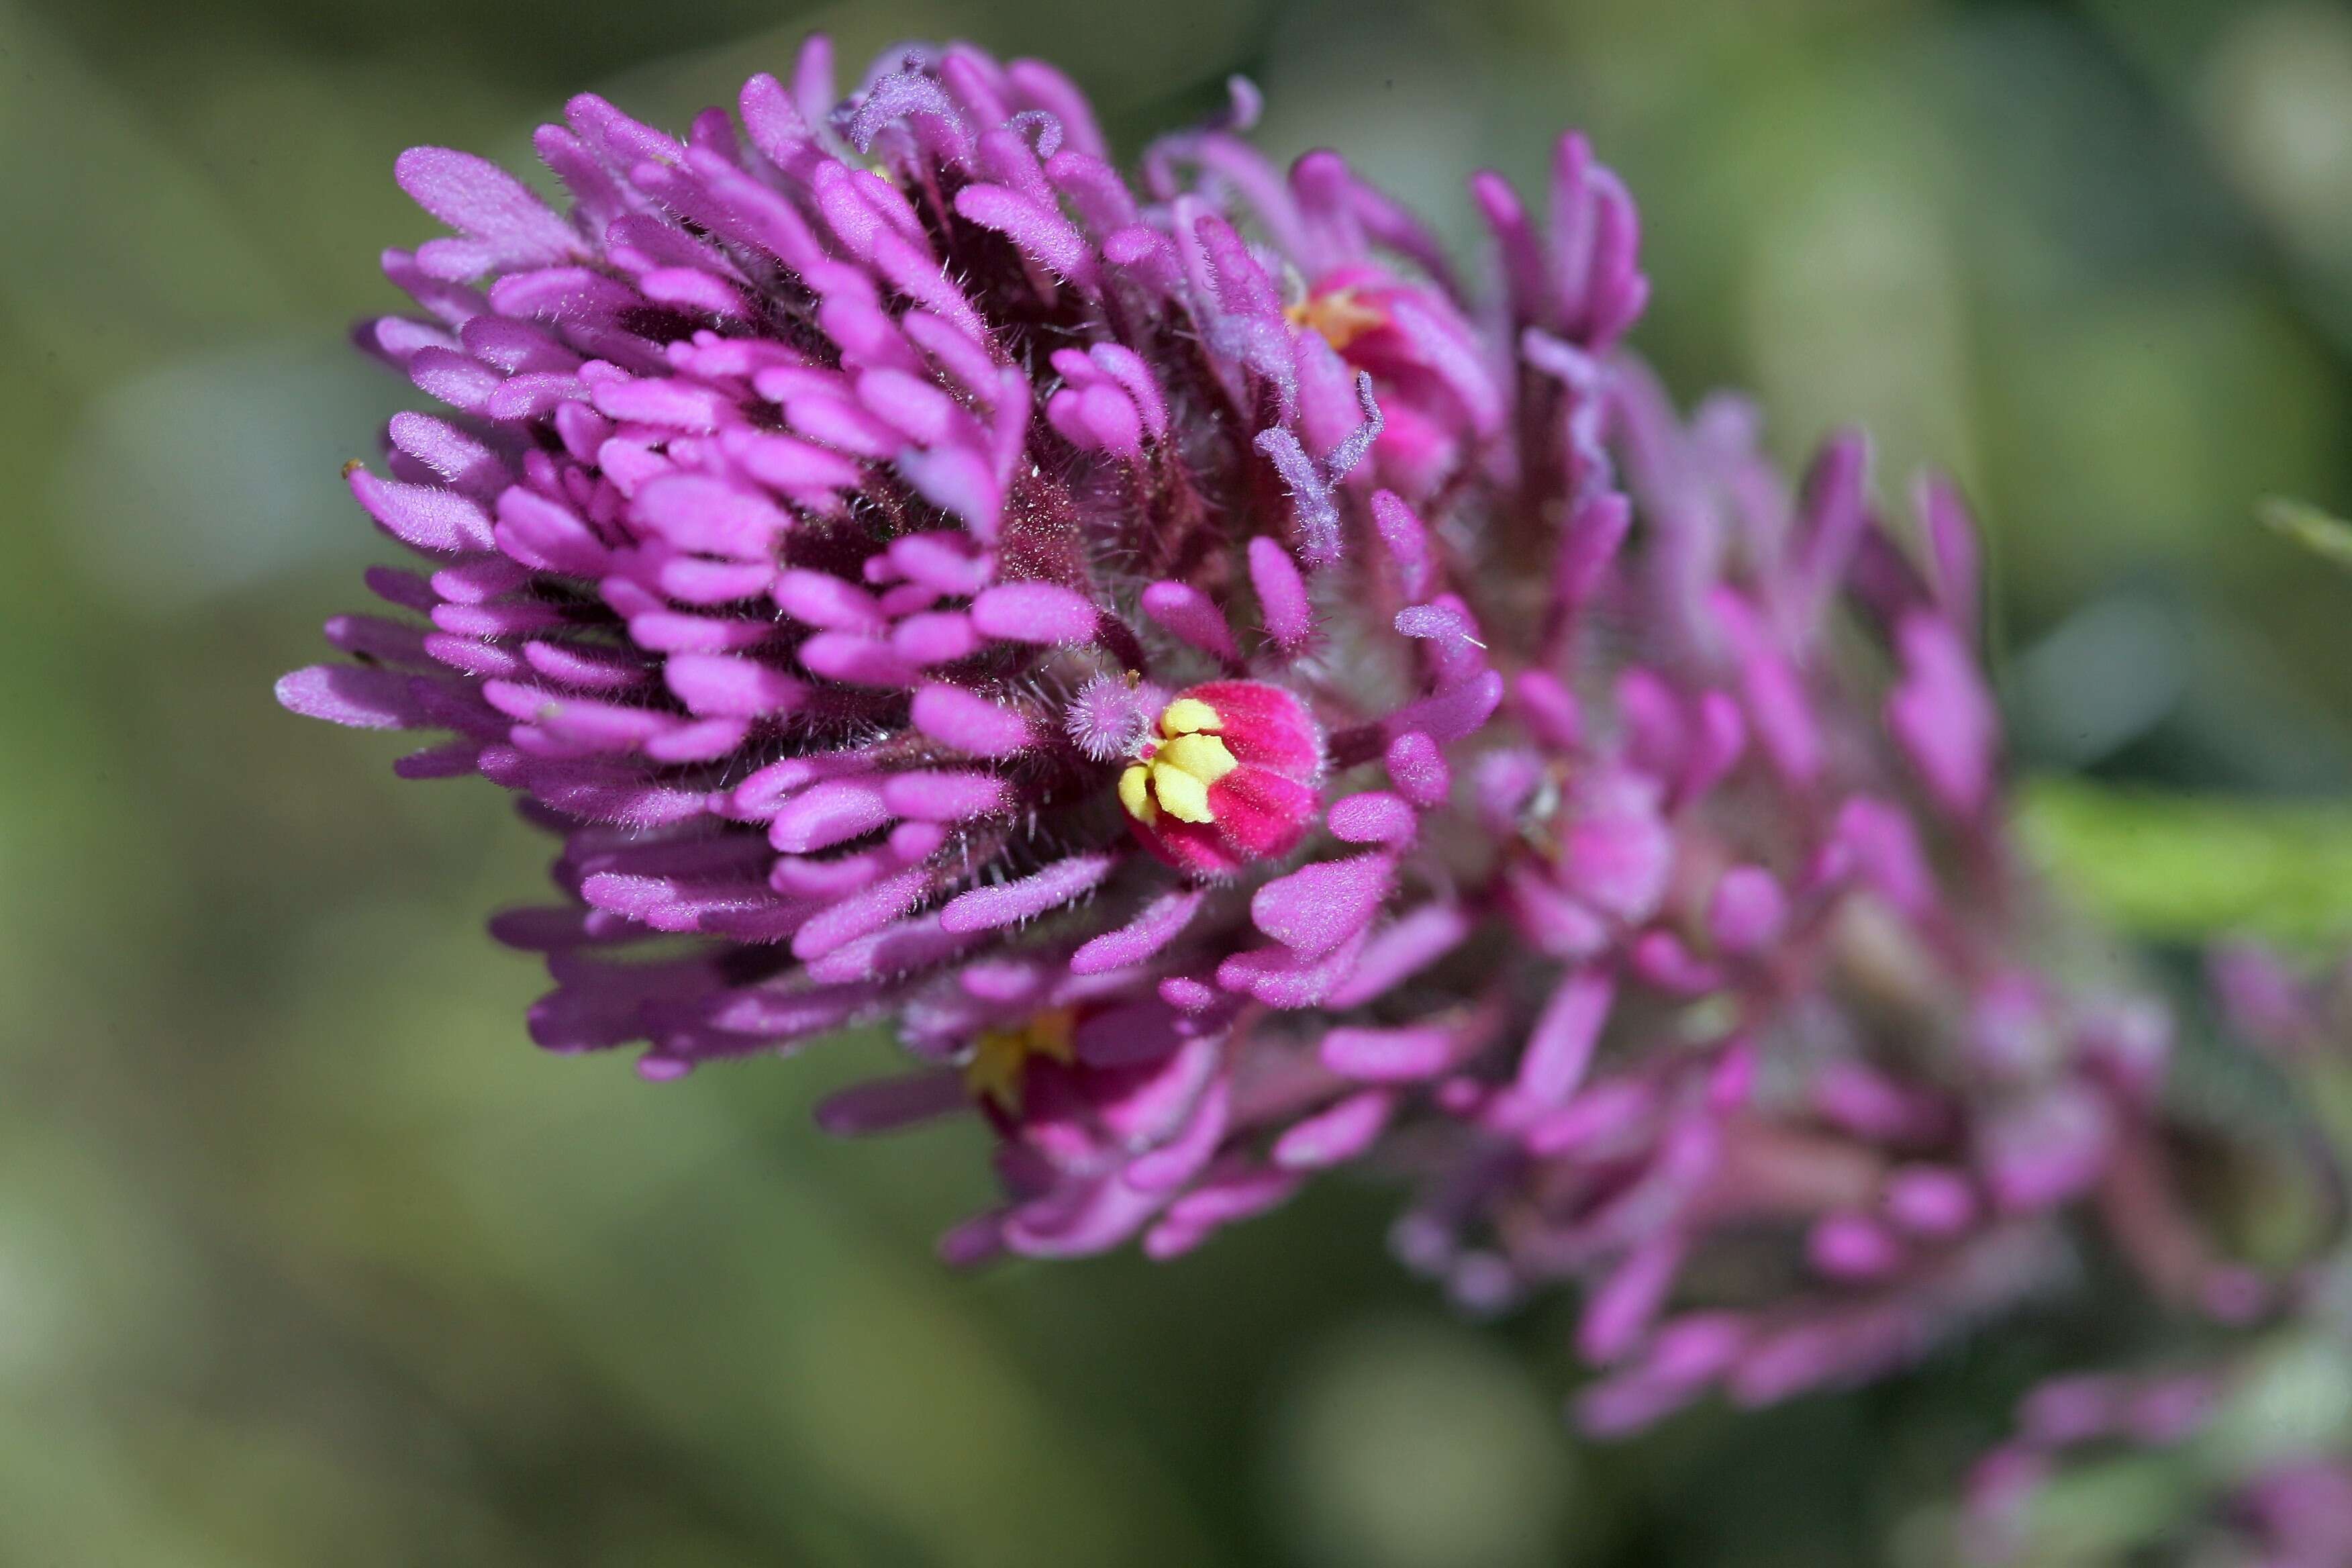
column 1237, row 699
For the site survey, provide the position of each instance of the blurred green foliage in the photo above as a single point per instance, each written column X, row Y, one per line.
column 2187, row 868
column 2324, row 535
column 307, row 1258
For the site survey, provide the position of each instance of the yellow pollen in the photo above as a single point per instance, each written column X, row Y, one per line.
column 1001, row 1056
column 1176, row 770
column 1340, row 316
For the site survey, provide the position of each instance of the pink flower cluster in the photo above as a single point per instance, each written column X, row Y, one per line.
column 1238, row 700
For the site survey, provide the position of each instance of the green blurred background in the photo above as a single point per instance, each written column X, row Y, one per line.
column 307, row 1258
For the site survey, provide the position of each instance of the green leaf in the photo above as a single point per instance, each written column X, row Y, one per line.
column 2314, row 530
column 2186, row 868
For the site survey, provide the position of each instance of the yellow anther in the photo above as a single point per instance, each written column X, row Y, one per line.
column 999, row 1056
column 1175, row 775
column 1189, row 716
column 1341, row 317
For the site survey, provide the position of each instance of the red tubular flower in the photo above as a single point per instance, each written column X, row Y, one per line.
column 1229, row 777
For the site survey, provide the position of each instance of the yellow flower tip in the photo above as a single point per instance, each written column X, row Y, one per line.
column 1001, row 1056
column 1189, row 716
column 1182, row 796
column 1175, row 774
column 1203, row 757
column 1340, row 317
column 1134, row 793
